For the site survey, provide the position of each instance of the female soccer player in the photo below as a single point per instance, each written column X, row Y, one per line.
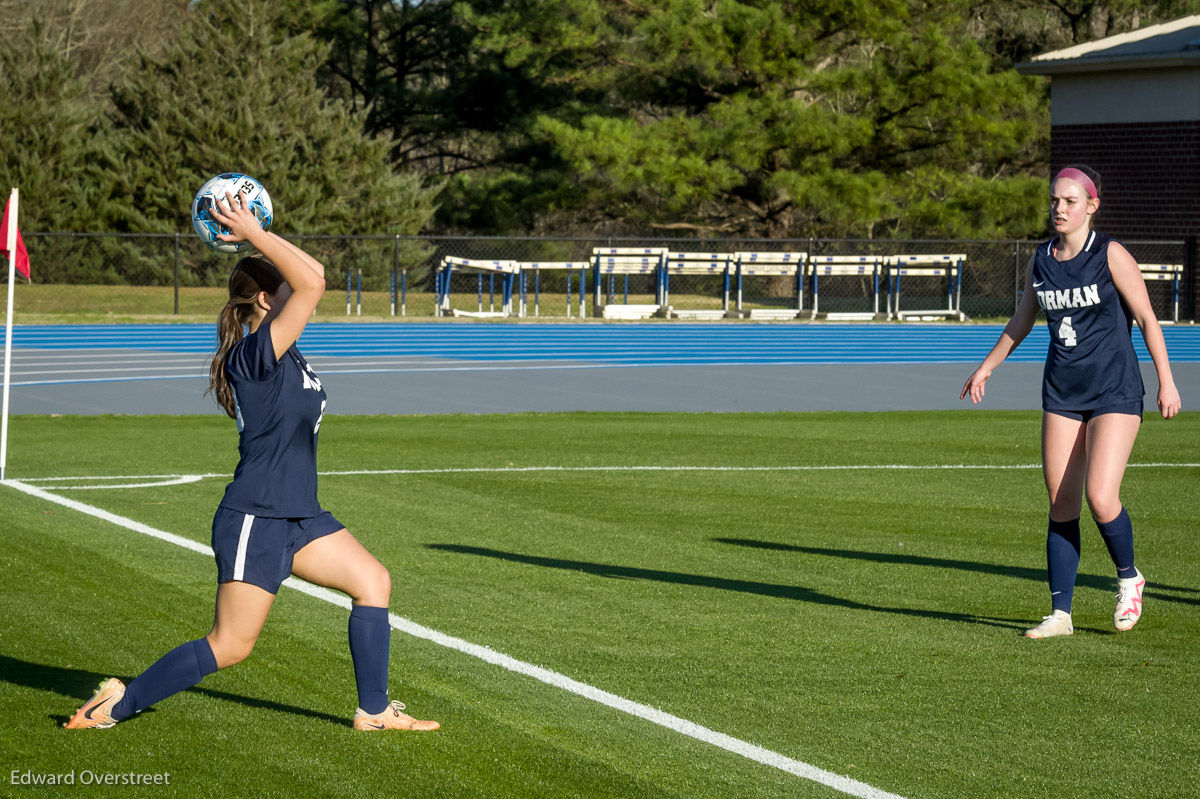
column 1090, row 288
column 269, row 524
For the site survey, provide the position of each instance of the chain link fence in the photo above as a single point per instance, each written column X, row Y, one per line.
column 102, row 275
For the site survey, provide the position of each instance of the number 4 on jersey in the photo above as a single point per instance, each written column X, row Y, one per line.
column 1066, row 332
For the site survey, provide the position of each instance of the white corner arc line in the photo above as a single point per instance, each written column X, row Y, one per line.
column 730, row 744
column 181, row 480
column 185, row 477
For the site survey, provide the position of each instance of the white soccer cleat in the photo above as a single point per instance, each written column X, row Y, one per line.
column 1129, row 602
column 1057, row 623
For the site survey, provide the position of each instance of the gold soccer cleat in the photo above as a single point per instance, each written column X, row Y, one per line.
column 97, row 711
column 390, row 718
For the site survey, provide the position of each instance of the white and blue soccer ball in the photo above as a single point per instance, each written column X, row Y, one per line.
column 213, row 191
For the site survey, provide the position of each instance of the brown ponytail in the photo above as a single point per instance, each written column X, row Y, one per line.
column 249, row 277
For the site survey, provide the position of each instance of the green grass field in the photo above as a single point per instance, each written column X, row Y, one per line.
column 864, row 621
column 47, row 303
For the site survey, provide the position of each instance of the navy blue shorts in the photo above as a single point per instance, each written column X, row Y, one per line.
column 259, row 549
column 1134, row 408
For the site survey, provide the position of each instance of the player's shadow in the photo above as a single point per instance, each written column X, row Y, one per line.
column 78, row 685
column 1153, row 590
column 776, row 590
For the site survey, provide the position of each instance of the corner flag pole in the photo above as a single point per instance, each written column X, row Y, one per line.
column 11, row 246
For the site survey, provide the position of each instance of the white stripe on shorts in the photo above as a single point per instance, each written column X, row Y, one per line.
column 239, row 565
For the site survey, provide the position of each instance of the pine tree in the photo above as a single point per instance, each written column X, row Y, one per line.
column 48, row 120
column 237, row 93
column 839, row 118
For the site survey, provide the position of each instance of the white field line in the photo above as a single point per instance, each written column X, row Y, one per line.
column 736, row 746
column 178, row 479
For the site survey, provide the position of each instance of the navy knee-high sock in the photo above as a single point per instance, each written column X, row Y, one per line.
column 1062, row 561
column 370, row 642
column 178, row 670
column 1118, row 537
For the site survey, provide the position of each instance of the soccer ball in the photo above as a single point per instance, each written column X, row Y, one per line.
column 213, row 191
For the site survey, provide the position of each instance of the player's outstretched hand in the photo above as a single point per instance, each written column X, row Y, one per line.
column 236, row 216
column 1169, row 402
column 975, row 385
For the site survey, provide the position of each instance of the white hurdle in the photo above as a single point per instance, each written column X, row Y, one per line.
column 613, row 261
column 536, row 268
column 1170, row 272
column 709, row 264
column 949, row 267
column 507, row 271
column 860, row 266
column 771, row 264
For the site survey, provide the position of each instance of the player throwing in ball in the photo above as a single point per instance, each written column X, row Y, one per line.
column 1091, row 290
column 269, row 523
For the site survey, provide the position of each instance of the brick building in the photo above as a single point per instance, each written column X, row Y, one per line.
column 1129, row 106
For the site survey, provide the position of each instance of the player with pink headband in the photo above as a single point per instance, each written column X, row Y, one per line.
column 1091, row 290
column 1080, row 177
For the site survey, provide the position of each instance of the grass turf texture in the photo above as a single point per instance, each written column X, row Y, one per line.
column 865, row 622
column 51, row 304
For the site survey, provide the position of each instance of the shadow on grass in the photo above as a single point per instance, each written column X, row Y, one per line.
column 79, row 685
column 1153, row 590
column 793, row 592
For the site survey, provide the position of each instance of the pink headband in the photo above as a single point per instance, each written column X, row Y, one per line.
column 1071, row 173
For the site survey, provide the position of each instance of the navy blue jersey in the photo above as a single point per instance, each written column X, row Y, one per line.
column 279, row 407
column 1091, row 362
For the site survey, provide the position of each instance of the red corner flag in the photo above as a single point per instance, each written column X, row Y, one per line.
column 22, row 254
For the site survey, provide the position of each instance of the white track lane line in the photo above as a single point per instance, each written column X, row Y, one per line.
column 117, row 362
column 107, row 370
column 737, row 746
column 77, row 356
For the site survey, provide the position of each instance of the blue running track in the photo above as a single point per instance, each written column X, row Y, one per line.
column 661, row 344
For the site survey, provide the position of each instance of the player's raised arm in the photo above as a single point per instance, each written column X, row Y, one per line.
column 313, row 263
column 289, row 310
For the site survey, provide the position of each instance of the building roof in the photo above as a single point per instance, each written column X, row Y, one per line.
column 1168, row 44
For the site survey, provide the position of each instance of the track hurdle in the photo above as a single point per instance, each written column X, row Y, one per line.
column 1170, row 272
column 771, row 264
column 535, row 268
column 613, row 261
column 949, row 267
column 708, row 264
column 505, row 270
column 860, row 266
